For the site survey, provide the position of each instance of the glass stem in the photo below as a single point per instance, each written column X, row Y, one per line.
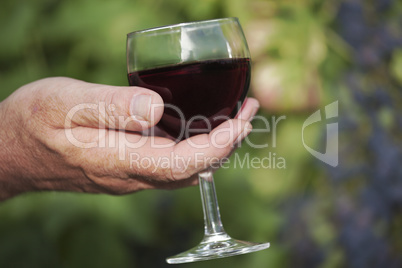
column 212, row 217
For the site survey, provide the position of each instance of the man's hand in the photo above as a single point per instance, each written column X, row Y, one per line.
column 68, row 135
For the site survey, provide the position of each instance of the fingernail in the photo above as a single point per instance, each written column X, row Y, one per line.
column 141, row 107
column 246, row 130
column 254, row 112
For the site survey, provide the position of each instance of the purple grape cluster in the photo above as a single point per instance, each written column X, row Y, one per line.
column 361, row 198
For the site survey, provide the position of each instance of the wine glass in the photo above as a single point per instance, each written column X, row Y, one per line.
column 202, row 72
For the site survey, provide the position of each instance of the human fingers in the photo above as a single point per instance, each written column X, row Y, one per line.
column 72, row 103
column 248, row 109
column 139, row 162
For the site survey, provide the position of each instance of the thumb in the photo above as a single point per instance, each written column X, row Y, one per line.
column 102, row 106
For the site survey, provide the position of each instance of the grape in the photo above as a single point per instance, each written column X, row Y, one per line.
column 365, row 190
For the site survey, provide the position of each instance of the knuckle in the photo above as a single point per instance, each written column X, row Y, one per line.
column 113, row 102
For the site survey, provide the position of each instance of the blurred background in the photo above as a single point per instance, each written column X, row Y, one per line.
column 306, row 54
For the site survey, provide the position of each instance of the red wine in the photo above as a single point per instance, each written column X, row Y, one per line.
column 206, row 93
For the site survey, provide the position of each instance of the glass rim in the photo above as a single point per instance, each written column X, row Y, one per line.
column 182, row 24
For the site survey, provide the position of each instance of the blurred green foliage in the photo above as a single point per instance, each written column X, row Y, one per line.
column 299, row 60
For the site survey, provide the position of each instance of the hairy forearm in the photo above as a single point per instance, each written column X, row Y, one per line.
column 9, row 162
column 18, row 163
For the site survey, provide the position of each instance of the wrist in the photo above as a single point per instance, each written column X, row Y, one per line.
column 10, row 162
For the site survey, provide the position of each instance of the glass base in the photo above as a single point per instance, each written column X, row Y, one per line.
column 213, row 248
